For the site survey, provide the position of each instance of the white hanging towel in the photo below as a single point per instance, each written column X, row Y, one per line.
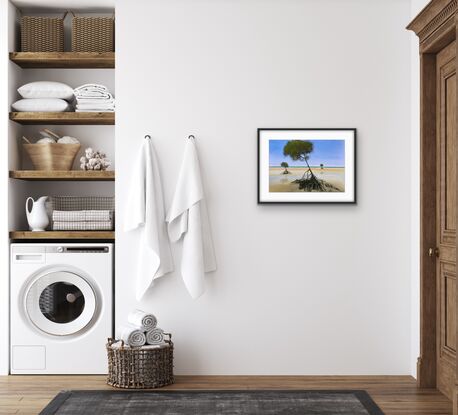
column 188, row 218
column 145, row 213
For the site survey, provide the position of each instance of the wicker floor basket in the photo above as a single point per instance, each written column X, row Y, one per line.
column 92, row 34
column 139, row 367
column 42, row 34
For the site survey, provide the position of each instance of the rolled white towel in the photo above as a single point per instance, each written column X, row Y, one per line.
column 155, row 336
column 132, row 335
column 139, row 318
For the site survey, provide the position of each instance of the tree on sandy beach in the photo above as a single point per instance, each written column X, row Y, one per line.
column 321, row 166
column 299, row 150
column 285, row 165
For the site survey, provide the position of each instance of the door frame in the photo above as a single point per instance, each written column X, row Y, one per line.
column 436, row 27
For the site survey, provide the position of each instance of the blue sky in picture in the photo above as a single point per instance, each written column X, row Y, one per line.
column 329, row 152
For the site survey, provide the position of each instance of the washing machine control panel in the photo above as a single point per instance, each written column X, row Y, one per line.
column 78, row 249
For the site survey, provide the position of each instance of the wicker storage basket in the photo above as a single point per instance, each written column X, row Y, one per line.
column 92, row 34
column 139, row 367
column 42, row 34
column 82, row 203
column 52, row 156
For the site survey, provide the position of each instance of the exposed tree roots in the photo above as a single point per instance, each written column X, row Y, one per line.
column 310, row 183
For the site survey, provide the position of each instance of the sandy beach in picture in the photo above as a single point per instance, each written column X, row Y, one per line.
column 279, row 182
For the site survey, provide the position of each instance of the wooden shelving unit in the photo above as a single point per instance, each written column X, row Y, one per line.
column 73, row 175
column 110, row 235
column 64, row 118
column 67, row 60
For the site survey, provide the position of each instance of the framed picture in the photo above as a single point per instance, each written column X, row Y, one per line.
column 305, row 165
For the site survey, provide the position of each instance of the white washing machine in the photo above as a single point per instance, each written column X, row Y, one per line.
column 61, row 307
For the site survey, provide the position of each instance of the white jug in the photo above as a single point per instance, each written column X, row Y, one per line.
column 37, row 217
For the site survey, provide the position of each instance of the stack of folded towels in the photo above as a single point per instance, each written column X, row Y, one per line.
column 82, row 220
column 44, row 96
column 140, row 329
column 94, row 98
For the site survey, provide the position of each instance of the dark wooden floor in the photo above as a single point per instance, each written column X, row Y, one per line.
column 395, row 395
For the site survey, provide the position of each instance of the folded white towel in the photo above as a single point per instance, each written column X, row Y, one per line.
column 155, row 336
column 92, row 90
column 141, row 319
column 94, row 106
column 106, row 110
column 95, row 101
column 146, row 215
column 131, row 335
column 94, row 95
column 82, row 226
column 188, row 218
column 91, row 87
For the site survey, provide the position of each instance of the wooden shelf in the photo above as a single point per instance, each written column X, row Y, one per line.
column 64, row 59
column 64, row 118
column 63, row 235
column 72, row 175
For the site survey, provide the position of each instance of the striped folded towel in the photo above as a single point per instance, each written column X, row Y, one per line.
column 81, row 216
column 83, row 226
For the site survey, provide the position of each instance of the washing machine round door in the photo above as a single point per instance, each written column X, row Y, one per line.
column 60, row 303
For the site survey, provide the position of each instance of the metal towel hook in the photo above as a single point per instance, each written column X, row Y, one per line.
column 147, row 137
column 191, row 137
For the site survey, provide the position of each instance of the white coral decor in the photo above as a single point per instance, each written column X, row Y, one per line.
column 94, row 160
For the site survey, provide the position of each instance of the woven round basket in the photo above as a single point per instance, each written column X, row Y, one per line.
column 140, row 367
column 52, row 156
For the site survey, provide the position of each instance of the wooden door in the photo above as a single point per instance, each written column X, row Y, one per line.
column 446, row 190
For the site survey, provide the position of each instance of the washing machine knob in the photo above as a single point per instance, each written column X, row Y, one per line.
column 60, row 249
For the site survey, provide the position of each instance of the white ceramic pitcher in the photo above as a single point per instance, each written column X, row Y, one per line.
column 37, row 217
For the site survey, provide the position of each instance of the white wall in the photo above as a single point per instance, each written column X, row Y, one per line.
column 299, row 289
column 416, row 7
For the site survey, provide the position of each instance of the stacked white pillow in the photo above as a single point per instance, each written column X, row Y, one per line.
column 44, row 96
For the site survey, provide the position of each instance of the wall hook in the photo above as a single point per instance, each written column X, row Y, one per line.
column 147, row 137
column 191, row 137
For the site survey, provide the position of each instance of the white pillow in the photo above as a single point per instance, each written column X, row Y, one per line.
column 41, row 105
column 45, row 89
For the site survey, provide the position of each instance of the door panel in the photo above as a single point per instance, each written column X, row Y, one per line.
column 449, row 317
column 446, row 219
column 450, row 155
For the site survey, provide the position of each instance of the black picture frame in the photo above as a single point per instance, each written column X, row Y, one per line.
column 264, row 202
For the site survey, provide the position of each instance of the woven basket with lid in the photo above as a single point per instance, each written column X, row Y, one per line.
column 42, row 34
column 92, row 34
column 140, row 367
